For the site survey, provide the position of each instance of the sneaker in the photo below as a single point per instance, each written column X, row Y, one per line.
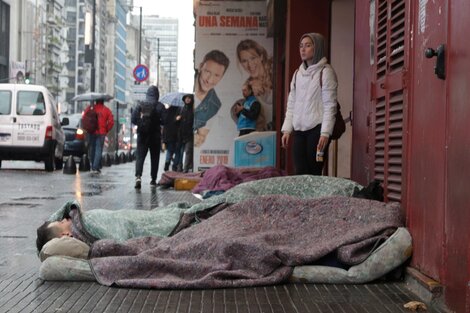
column 153, row 183
column 138, row 182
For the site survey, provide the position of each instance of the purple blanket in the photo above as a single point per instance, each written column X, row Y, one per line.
column 254, row 242
column 221, row 177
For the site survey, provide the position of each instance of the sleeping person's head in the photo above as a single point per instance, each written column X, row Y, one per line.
column 51, row 230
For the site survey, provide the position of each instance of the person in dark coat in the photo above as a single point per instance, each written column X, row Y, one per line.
column 171, row 137
column 148, row 134
column 186, row 133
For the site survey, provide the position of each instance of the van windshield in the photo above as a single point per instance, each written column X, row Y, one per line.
column 5, row 102
column 31, row 103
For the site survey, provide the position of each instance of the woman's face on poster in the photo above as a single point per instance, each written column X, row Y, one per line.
column 251, row 62
column 210, row 74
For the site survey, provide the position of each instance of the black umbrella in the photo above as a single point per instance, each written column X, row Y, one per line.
column 92, row 96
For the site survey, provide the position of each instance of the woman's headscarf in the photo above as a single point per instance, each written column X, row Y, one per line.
column 319, row 45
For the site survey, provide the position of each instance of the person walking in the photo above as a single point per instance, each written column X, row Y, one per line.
column 104, row 123
column 149, row 115
column 247, row 112
column 186, row 132
column 171, row 138
column 311, row 107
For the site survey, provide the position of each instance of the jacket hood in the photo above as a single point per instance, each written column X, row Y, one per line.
column 189, row 95
column 319, row 45
column 152, row 94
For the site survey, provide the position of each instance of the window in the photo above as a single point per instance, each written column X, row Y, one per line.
column 5, row 102
column 31, row 103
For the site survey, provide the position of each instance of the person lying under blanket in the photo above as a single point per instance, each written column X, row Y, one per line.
column 88, row 226
column 261, row 241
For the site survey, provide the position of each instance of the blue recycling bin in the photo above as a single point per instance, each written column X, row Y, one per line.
column 257, row 149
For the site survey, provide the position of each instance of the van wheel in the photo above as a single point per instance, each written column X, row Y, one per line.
column 59, row 163
column 49, row 163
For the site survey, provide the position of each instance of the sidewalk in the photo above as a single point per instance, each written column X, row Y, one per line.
column 29, row 196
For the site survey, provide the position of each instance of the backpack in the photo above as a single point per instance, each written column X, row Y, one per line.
column 147, row 110
column 340, row 126
column 90, row 121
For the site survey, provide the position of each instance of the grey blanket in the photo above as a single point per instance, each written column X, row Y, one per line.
column 254, row 242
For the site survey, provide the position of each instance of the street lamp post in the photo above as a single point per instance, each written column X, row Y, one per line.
column 140, row 36
column 169, row 82
column 93, row 38
column 158, row 62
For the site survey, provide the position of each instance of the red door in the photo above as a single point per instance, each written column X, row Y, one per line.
column 426, row 153
column 457, row 213
column 389, row 96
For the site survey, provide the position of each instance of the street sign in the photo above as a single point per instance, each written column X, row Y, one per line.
column 141, row 73
column 139, row 92
column 122, row 120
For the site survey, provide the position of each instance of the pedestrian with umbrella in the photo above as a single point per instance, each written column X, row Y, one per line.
column 186, row 132
column 171, row 133
column 97, row 120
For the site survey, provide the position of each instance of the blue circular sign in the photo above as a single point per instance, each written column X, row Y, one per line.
column 141, row 73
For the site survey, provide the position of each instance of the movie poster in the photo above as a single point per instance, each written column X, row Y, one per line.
column 232, row 48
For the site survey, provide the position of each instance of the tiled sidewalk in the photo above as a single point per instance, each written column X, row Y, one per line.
column 29, row 196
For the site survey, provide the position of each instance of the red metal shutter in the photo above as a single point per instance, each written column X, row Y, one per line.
column 389, row 100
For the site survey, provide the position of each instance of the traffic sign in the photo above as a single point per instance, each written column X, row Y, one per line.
column 139, row 92
column 141, row 73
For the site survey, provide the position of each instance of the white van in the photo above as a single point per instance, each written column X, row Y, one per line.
column 30, row 128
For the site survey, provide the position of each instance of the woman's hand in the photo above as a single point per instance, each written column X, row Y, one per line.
column 322, row 142
column 285, row 140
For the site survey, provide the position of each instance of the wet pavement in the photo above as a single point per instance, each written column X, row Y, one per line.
column 29, row 195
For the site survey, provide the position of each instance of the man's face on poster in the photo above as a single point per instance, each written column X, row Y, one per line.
column 210, row 74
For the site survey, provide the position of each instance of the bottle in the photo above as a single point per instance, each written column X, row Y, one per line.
column 319, row 156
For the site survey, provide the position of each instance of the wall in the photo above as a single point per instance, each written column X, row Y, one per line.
column 342, row 60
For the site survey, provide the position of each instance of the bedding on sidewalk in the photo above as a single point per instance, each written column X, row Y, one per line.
column 91, row 225
column 254, row 242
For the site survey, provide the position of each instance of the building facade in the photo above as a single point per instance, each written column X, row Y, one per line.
column 162, row 33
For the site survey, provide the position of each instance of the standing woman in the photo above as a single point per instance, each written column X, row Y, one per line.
column 311, row 107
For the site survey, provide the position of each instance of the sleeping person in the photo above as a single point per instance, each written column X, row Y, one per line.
column 92, row 225
column 264, row 240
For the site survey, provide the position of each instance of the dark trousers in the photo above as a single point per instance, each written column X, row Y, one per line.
column 95, row 150
column 305, row 151
column 175, row 153
column 188, row 155
column 143, row 146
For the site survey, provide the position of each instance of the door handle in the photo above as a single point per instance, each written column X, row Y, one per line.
column 440, row 67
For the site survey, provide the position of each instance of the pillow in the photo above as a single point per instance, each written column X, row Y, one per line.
column 389, row 255
column 66, row 246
